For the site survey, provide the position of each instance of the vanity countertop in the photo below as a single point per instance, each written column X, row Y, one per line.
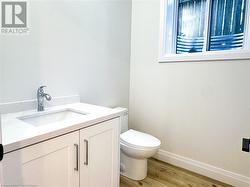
column 17, row 134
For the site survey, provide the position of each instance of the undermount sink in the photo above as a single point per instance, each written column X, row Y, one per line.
column 50, row 117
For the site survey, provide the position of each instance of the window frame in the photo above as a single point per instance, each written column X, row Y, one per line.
column 236, row 54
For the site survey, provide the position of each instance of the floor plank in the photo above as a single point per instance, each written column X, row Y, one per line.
column 147, row 182
column 161, row 174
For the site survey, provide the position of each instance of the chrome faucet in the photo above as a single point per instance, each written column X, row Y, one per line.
column 40, row 98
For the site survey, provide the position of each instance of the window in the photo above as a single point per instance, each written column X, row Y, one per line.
column 204, row 27
column 190, row 26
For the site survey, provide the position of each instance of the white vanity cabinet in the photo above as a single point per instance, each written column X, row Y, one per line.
column 99, row 155
column 46, row 164
column 88, row 158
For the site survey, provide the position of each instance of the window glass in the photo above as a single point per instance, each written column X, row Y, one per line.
column 170, row 31
column 191, row 25
column 227, row 24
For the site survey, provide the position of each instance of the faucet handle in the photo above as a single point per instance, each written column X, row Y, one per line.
column 40, row 90
column 41, row 87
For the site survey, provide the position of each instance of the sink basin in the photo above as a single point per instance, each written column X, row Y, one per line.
column 46, row 118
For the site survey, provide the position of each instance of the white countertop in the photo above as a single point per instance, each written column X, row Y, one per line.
column 17, row 134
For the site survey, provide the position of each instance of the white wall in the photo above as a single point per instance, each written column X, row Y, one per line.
column 74, row 47
column 198, row 110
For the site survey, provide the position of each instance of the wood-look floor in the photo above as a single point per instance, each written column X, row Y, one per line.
column 161, row 174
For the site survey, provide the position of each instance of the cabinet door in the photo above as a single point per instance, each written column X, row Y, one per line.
column 99, row 155
column 53, row 163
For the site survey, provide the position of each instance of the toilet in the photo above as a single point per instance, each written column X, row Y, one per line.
column 136, row 148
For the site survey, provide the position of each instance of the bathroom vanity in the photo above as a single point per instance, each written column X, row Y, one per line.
column 72, row 145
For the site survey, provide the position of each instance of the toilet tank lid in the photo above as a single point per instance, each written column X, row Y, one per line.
column 139, row 139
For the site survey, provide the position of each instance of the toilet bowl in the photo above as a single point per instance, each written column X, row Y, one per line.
column 136, row 148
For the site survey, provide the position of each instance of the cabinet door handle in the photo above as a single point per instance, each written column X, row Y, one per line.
column 86, row 162
column 1, row 152
column 77, row 153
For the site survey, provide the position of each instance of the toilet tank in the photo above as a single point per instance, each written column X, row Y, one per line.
column 124, row 119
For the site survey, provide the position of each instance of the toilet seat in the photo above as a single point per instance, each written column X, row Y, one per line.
column 139, row 140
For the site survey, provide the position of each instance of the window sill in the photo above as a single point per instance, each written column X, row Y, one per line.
column 206, row 56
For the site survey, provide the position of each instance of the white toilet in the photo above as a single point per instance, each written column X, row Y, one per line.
column 136, row 148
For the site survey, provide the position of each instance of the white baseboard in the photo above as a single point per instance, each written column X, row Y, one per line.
column 204, row 169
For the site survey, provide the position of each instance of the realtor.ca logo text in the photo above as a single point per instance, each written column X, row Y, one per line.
column 14, row 17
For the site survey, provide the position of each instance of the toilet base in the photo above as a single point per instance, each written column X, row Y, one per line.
column 133, row 168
